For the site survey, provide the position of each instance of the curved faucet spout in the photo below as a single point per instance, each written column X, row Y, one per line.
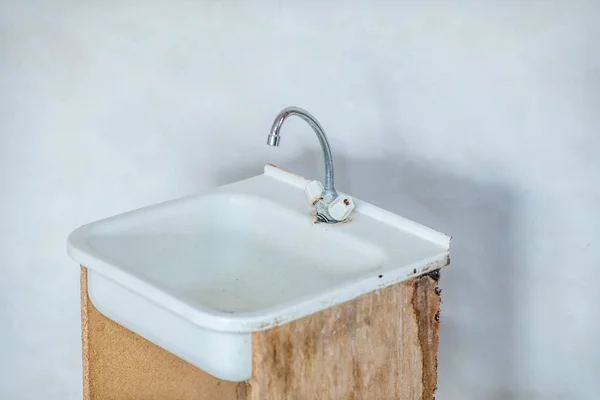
column 329, row 192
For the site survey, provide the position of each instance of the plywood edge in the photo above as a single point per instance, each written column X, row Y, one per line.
column 426, row 303
column 84, row 334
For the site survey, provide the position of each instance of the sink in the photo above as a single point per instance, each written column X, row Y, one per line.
column 198, row 275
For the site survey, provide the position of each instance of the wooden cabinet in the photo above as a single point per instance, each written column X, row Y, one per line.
column 382, row 345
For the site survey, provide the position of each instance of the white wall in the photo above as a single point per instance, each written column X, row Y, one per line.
column 477, row 118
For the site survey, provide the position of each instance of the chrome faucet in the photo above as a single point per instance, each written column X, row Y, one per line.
column 329, row 194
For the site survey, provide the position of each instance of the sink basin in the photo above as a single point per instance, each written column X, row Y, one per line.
column 198, row 275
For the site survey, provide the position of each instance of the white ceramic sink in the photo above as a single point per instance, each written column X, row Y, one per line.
column 198, row 275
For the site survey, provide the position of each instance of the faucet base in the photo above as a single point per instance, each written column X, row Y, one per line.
column 323, row 214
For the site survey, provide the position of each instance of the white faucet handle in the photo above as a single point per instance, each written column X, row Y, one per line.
column 341, row 207
column 313, row 191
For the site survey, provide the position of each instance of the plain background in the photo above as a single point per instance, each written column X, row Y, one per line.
column 477, row 118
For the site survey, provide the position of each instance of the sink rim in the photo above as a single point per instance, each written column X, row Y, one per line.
column 266, row 318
